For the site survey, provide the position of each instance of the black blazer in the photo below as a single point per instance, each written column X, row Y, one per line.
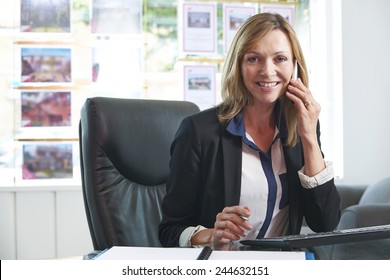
column 205, row 177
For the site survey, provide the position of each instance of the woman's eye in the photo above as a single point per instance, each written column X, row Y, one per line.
column 281, row 59
column 253, row 59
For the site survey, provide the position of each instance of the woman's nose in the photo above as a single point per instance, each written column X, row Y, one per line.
column 267, row 69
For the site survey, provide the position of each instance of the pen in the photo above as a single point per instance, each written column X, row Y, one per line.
column 244, row 218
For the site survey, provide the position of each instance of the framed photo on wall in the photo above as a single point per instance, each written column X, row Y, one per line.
column 45, row 16
column 51, row 160
column 116, row 17
column 46, row 109
column 46, row 65
column 47, row 162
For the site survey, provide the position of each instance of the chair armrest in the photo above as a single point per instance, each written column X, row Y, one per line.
column 364, row 216
column 350, row 194
column 359, row 216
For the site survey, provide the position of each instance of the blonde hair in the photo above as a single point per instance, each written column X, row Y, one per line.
column 234, row 93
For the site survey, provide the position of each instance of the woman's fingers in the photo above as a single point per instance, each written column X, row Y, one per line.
column 230, row 225
column 308, row 109
column 300, row 94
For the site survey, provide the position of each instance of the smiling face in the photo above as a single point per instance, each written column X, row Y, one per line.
column 267, row 69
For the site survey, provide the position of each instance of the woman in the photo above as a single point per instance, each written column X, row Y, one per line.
column 252, row 167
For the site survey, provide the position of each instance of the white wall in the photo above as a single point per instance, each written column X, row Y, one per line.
column 43, row 222
column 366, row 89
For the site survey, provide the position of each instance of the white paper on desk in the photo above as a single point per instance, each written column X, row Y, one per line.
column 149, row 253
column 257, row 255
column 159, row 253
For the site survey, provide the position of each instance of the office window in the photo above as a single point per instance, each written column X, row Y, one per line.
column 325, row 62
column 55, row 54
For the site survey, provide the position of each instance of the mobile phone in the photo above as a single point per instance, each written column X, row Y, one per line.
column 295, row 74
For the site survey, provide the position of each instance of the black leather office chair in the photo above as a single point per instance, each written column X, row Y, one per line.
column 124, row 156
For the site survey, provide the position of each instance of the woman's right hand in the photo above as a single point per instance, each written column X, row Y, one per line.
column 231, row 224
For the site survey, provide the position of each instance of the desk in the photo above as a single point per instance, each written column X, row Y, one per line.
column 365, row 250
column 222, row 251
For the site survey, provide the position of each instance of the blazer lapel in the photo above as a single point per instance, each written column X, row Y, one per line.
column 294, row 161
column 232, row 157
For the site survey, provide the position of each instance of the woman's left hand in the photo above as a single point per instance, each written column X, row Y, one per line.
column 308, row 109
column 308, row 112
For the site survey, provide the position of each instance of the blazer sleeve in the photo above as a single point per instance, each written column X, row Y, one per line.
column 180, row 203
column 322, row 207
column 322, row 204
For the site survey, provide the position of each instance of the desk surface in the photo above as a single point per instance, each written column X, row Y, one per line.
column 219, row 252
column 366, row 250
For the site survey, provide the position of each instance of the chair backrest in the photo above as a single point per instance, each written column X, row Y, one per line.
column 371, row 209
column 378, row 192
column 124, row 158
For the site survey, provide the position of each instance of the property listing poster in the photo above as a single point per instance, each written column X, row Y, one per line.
column 116, row 17
column 46, row 64
column 198, row 28
column 233, row 16
column 45, row 16
column 199, row 85
column 287, row 11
